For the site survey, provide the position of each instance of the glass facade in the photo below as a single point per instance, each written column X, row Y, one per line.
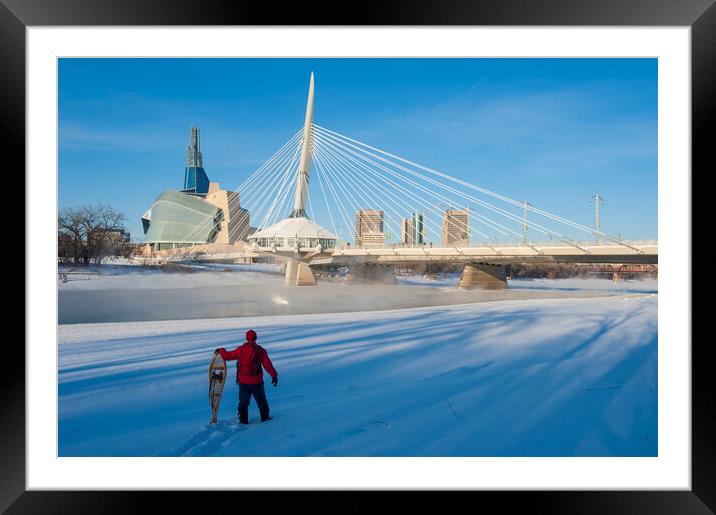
column 292, row 232
column 418, row 229
column 279, row 241
column 195, row 180
column 176, row 217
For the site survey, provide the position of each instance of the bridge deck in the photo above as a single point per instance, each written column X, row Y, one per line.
column 602, row 254
column 646, row 254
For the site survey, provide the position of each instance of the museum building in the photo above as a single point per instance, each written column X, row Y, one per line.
column 199, row 213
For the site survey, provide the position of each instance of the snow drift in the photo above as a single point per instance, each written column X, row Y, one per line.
column 562, row 377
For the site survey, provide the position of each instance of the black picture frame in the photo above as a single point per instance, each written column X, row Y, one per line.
column 700, row 15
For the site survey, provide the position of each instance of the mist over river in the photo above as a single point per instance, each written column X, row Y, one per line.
column 228, row 293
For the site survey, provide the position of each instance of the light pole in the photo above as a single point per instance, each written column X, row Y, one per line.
column 524, row 222
column 597, row 199
column 339, row 228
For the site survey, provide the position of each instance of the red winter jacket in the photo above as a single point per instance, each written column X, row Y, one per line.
column 250, row 356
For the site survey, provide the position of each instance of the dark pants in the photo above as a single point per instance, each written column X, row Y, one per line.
column 245, row 393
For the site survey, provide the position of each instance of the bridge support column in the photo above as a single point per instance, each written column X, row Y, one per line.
column 298, row 273
column 483, row 276
column 371, row 274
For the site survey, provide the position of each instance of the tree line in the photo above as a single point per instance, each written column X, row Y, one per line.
column 518, row 270
column 88, row 234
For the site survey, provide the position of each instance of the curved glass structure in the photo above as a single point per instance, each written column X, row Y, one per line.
column 177, row 218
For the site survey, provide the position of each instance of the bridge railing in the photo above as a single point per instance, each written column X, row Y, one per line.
column 542, row 243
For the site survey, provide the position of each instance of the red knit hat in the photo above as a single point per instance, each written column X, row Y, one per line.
column 251, row 335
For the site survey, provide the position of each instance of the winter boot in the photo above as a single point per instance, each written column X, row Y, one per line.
column 243, row 416
column 263, row 409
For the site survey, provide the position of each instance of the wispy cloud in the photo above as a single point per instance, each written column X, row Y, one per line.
column 549, row 134
column 73, row 136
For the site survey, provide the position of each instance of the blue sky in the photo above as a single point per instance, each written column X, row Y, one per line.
column 552, row 131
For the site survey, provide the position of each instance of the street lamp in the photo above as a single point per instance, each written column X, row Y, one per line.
column 597, row 200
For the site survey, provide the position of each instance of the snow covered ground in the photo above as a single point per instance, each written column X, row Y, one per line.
column 547, row 377
column 572, row 284
column 595, row 285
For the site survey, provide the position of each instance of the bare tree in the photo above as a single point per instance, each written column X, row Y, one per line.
column 71, row 235
column 90, row 233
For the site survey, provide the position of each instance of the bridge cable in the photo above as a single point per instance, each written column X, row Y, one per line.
column 495, row 225
column 535, row 226
column 320, row 167
column 361, row 193
column 323, row 191
column 396, row 198
column 488, row 192
column 380, row 188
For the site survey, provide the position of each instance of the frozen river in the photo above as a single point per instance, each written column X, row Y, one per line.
column 238, row 292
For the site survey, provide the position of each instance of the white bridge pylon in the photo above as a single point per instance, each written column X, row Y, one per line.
column 296, row 240
column 304, row 168
column 436, row 217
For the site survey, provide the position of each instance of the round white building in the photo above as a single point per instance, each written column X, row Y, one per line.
column 294, row 235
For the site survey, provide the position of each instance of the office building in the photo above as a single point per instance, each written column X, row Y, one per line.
column 369, row 227
column 413, row 230
column 456, row 227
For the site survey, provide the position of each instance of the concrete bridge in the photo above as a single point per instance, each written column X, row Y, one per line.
column 382, row 188
column 484, row 266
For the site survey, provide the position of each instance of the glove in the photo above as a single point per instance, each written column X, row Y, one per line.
column 274, row 381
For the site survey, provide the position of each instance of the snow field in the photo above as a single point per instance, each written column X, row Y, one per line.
column 559, row 377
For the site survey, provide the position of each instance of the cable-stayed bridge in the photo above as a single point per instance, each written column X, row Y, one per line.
column 398, row 212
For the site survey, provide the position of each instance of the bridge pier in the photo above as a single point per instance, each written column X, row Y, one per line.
column 371, row 274
column 298, row 273
column 483, row 276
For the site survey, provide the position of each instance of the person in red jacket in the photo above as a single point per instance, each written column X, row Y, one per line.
column 250, row 358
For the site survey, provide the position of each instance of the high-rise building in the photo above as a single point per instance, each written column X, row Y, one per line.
column 407, row 230
column 413, row 229
column 456, row 228
column 369, row 227
column 196, row 182
column 418, row 228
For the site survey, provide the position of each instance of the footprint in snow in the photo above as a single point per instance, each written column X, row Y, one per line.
column 208, row 441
